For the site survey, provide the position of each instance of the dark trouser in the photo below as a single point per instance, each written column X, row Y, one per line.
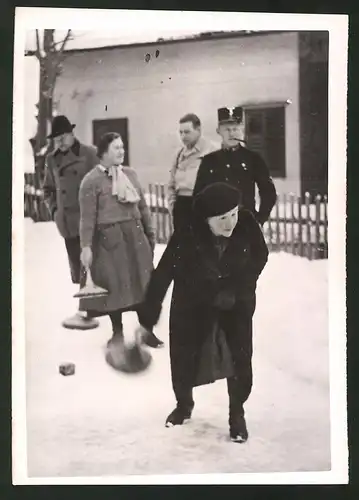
column 182, row 212
column 184, row 397
column 239, row 340
column 237, row 326
column 73, row 248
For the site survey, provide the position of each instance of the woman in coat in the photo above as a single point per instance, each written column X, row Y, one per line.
column 116, row 236
column 215, row 271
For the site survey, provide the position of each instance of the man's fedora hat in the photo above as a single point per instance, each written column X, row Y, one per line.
column 227, row 115
column 60, row 125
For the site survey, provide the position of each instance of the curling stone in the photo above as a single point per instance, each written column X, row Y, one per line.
column 90, row 290
column 125, row 358
column 78, row 322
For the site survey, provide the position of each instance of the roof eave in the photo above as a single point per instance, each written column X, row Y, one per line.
column 193, row 38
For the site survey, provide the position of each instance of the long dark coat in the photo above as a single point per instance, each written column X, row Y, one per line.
column 243, row 169
column 63, row 176
column 199, row 277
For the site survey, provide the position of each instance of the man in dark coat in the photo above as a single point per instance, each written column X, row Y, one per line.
column 214, row 272
column 238, row 166
column 65, row 168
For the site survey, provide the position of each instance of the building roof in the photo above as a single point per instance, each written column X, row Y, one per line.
column 203, row 36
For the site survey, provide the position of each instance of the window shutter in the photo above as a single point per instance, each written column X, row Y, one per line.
column 265, row 134
column 275, row 141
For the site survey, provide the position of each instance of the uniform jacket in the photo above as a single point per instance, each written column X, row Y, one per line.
column 243, row 169
column 63, row 176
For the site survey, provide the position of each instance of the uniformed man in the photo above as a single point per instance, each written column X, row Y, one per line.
column 65, row 168
column 238, row 166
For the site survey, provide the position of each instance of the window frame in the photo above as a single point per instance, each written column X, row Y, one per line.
column 263, row 107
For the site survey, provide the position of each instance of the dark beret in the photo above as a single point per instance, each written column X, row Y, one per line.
column 216, row 199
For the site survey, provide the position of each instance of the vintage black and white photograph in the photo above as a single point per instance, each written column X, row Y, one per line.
column 179, row 247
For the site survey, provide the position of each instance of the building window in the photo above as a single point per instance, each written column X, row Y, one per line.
column 119, row 125
column 265, row 134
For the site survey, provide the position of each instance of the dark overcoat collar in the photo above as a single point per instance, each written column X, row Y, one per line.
column 207, row 251
column 73, row 155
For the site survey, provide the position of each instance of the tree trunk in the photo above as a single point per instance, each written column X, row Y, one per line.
column 43, row 118
column 50, row 59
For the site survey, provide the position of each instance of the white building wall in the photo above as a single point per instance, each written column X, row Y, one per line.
column 196, row 76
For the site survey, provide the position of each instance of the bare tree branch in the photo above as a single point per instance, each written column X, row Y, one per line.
column 50, row 56
column 55, row 44
column 65, row 40
column 58, row 55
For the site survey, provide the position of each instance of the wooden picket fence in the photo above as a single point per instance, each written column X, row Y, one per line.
column 297, row 226
column 34, row 206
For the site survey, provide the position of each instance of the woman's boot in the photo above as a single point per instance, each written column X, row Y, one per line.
column 115, row 352
column 117, row 337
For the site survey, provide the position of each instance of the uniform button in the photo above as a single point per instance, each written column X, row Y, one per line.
column 211, row 171
column 228, row 166
column 63, row 191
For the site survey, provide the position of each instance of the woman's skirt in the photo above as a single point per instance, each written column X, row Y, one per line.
column 122, row 264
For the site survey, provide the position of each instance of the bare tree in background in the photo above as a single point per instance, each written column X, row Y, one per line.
column 50, row 55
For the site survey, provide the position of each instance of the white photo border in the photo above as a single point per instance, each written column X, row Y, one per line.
column 130, row 22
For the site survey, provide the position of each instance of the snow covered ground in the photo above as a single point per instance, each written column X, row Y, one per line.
column 99, row 422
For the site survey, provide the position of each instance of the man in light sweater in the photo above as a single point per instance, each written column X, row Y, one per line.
column 184, row 169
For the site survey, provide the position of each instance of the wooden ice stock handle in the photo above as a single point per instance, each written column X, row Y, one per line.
column 89, row 280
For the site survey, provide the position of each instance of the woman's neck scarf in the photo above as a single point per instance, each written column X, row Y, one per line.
column 122, row 187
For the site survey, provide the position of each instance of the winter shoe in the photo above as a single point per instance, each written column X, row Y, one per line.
column 238, row 432
column 116, row 339
column 150, row 339
column 179, row 415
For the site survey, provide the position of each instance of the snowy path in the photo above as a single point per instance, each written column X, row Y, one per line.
column 100, row 422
